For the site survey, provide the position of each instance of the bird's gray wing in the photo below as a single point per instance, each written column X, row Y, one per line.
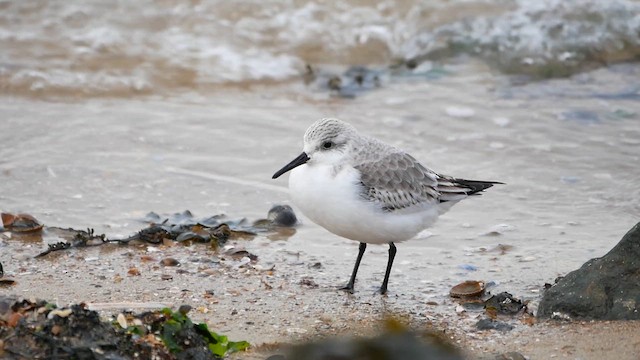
column 398, row 181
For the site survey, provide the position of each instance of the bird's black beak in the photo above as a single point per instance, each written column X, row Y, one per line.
column 301, row 159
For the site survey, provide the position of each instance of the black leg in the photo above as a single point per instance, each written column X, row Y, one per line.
column 392, row 255
column 349, row 287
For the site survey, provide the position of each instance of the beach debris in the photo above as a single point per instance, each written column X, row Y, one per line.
column 3, row 281
column 38, row 330
column 75, row 238
column 20, row 223
column 307, row 281
column 239, row 253
column 184, row 228
column 604, row 288
column 503, row 304
column 490, row 324
column 502, row 248
column 468, row 289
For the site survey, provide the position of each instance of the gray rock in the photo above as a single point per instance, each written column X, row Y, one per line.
column 488, row 324
column 606, row 288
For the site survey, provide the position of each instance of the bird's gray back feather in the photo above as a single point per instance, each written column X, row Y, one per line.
column 395, row 180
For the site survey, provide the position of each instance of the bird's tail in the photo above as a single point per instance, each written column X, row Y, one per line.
column 452, row 189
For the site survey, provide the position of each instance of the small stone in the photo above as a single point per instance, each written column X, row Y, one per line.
column 122, row 321
column 56, row 330
column 169, row 262
column 282, row 215
column 166, row 277
column 184, row 309
column 488, row 324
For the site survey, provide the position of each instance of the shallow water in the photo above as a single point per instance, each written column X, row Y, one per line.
column 569, row 168
column 567, row 149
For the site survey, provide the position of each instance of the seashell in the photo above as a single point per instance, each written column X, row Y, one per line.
column 469, row 288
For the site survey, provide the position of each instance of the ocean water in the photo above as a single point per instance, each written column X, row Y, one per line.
column 98, row 48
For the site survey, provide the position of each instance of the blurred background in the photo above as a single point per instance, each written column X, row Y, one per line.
column 121, row 48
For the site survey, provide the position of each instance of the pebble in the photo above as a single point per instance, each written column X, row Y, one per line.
column 122, row 321
column 169, row 262
column 501, row 121
column 498, row 229
column 459, row 111
column 61, row 313
column 468, row 267
column 56, row 330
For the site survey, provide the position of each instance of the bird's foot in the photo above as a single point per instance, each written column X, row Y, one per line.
column 382, row 290
column 348, row 288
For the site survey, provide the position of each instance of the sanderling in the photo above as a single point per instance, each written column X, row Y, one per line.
column 362, row 189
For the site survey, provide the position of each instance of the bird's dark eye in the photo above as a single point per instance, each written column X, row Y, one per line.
column 327, row 145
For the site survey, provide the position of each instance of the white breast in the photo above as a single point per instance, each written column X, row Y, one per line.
column 333, row 201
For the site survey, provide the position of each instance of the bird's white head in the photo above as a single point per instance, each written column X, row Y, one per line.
column 327, row 141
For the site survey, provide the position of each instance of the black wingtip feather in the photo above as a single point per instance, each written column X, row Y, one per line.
column 476, row 186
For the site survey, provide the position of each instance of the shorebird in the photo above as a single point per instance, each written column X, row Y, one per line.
column 363, row 189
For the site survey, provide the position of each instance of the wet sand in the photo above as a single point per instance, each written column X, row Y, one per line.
column 566, row 152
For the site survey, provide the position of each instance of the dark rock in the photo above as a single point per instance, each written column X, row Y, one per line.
column 390, row 345
column 606, row 288
column 504, row 303
column 276, row 357
column 282, row 215
column 488, row 324
column 513, row 355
